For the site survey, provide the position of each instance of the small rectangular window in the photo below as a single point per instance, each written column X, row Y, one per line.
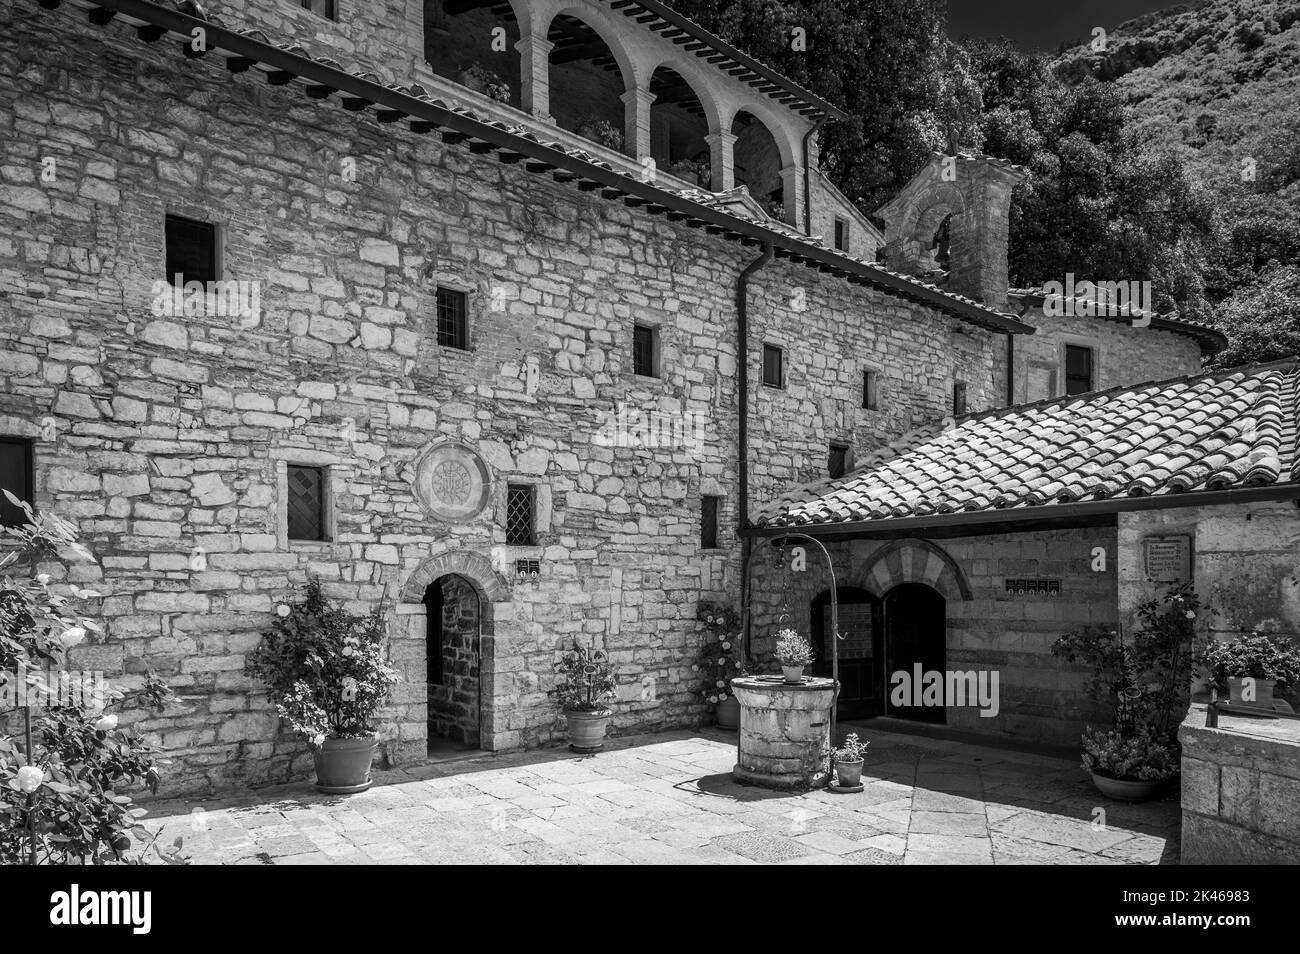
column 643, row 351
column 453, row 319
column 709, row 522
column 322, row 8
column 1078, row 369
column 838, row 465
column 191, row 250
column 869, row 395
column 306, row 503
column 773, row 366
column 520, row 531
column 842, row 234
column 958, row 398
column 15, row 477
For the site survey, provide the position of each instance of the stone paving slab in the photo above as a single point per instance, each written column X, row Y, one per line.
column 670, row 799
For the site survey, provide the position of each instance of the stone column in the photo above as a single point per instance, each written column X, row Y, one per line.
column 722, row 157
column 535, row 75
column 636, row 122
column 792, row 190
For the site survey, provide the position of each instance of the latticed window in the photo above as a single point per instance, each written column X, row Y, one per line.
column 519, row 515
column 643, row 351
column 453, row 319
column 15, row 477
column 323, row 8
column 306, row 503
column 191, row 250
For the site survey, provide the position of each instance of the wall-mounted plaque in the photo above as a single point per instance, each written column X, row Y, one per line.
column 451, row 481
column 1168, row 559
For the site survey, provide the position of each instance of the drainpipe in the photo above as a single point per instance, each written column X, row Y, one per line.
column 742, row 369
column 807, row 172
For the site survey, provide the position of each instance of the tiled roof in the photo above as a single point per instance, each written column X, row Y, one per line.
column 1219, row 431
column 1211, row 339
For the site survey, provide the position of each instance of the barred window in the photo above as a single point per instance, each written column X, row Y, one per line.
column 709, row 522
column 773, row 366
column 15, row 477
column 453, row 319
column 306, row 503
column 643, row 351
column 520, row 529
column 191, row 250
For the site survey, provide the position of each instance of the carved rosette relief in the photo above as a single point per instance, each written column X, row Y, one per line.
column 451, row 483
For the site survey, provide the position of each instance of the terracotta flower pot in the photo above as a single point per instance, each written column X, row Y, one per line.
column 849, row 773
column 1129, row 790
column 343, row 765
column 727, row 713
column 1263, row 692
column 793, row 674
column 587, row 729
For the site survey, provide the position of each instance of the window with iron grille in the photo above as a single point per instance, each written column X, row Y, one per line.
column 191, row 249
column 869, row 395
column 306, row 503
column 453, row 319
column 1078, row 369
column 958, row 398
column 838, row 464
column 322, row 8
column 15, row 477
column 520, row 531
column 773, row 366
column 643, row 351
column 842, row 234
column 709, row 522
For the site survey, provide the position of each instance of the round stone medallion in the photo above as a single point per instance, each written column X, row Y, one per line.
column 451, row 482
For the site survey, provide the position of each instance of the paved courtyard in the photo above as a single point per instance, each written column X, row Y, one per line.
column 669, row 799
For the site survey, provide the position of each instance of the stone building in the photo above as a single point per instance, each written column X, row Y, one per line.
column 485, row 367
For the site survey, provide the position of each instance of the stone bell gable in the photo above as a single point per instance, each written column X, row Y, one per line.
column 974, row 193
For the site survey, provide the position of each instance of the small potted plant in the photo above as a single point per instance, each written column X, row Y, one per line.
column 326, row 676
column 1128, row 767
column 848, row 760
column 1248, row 668
column 793, row 653
column 587, row 681
column 718, row 662
column 480, row 79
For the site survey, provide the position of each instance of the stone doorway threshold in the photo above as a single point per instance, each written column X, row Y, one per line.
column 930, row 730
column 445, row 750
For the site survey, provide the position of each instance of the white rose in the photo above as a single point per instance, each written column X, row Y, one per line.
column 722, row 683
column 1191, row 615
column 713, row 698
column 726, row 645
column 30, row 778
column 282, row 610
column 43, row 578
column 106, row 723
column 72, row 637
column 348, row 650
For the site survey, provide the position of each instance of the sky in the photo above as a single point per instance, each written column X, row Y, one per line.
column 1042, row 24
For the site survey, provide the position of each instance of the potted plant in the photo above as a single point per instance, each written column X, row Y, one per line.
column 718, row 662
column 1250, row 667
column 848, row 760
column 695, row 171
column 587, row 681
column 480, row 79
column 793, row 653
column 603, row 132
column 325, row 674
column 1145, row 682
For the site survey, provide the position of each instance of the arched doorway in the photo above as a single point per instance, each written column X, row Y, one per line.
column 915, row 625
column 862, row 664
column 453, row 661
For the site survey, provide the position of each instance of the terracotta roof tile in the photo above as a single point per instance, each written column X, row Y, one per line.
column 1215, row 431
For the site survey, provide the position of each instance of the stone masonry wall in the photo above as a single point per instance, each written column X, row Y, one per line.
column 167, row 439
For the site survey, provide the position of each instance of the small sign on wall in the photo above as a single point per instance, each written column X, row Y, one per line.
column 1168, row 559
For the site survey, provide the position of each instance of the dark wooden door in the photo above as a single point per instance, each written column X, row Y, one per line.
column 914, row 624
column 861, row 660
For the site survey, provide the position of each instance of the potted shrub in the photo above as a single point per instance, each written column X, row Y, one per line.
column 480, row 79
column 587, row 681
column 848, row 760
column 1145, row 682
column 793, row 653
column 1265, row 658
column 325, row 674
column 603, row 132
column 718, row 663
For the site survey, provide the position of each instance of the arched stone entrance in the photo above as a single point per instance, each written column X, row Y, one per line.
column 915, row 624
column 453, row 660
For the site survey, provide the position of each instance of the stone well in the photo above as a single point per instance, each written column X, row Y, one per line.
column 784, row 731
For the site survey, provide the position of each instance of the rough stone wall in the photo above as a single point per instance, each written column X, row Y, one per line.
column 827, row 203
column 167, row 440
column 1041, row 697
column 1122, row 354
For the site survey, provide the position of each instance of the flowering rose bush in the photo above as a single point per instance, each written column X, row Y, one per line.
column 65, row 765
column 324, row 668
column 719, row 660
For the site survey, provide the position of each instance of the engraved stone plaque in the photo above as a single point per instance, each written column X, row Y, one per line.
column 1168, row 559
column 451, row 483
